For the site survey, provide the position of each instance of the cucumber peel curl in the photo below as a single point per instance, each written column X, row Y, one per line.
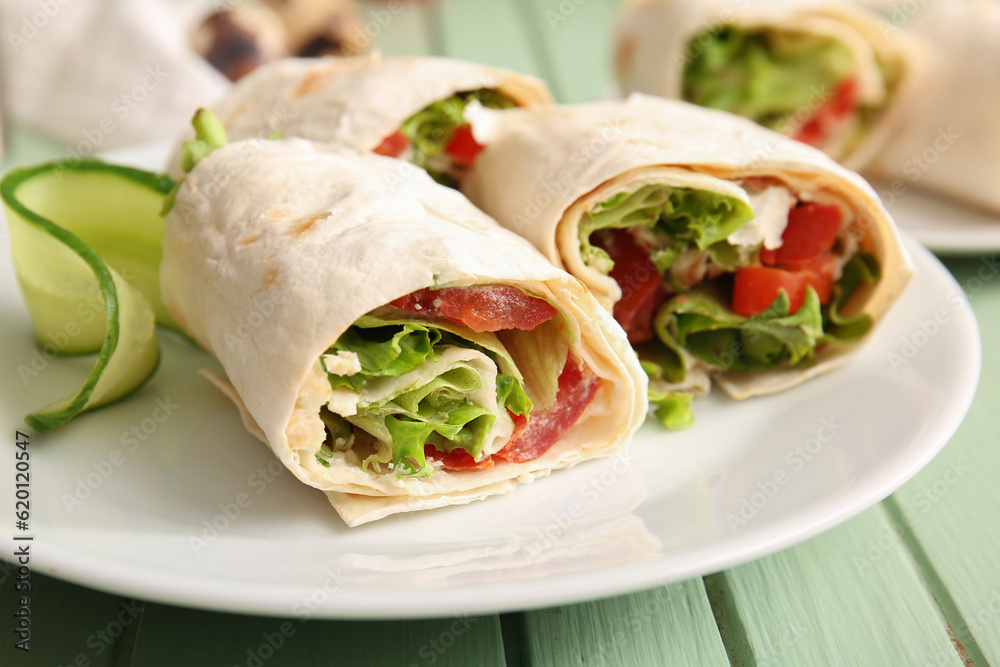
column 86, row 243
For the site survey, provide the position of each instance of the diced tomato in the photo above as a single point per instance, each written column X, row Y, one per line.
column 842, row 103
column 394, row 145
column 463, row 147
column 457, row 459
column 481, row 307
column 812, row 230
column 819, row 273
column 756, row 287
column 534, row 437
column 639, row 280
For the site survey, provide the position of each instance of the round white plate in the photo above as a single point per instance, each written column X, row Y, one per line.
column 945, row 226
column 165, row 497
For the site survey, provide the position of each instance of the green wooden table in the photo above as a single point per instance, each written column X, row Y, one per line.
column 914, row 580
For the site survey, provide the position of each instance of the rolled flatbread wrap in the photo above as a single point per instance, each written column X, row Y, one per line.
column 949, row 140
column 393, row 345
column 828, row 73
column 722, row 248
column 410, row 108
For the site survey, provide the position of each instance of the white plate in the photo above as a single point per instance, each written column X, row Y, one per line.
column 944, row 225
column 124, row 503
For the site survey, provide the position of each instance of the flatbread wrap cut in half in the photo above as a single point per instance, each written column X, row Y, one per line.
column 949, row 141
column 392, row 344
column 826, row 72
column 410, row 108
column 722, row 248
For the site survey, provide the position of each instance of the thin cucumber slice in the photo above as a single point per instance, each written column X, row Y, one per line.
column 86, row 240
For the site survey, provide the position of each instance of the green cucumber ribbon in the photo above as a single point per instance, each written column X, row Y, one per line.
column 85, row 238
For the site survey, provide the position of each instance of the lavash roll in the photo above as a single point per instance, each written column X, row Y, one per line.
column 355, row 101
column 542, row 170
column 274, row 248
column 653, row 37
column 949, row 141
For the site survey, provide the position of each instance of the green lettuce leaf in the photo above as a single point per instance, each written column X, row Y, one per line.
column 673, row 409
column 385, row 350
column 438, row 412
column 431, row 129
column 701, row 324
column 678, row 218
column 766, row 76
column 862, row 269
column 511, row 395
column 661, row 360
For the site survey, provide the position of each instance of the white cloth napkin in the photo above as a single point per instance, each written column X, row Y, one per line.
column 98, row 74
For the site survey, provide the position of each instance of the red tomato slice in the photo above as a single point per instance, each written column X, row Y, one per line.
column 812, row 230
column 481, row 307
column 756, row 287
column 819, row 273
column 640, row 282
column 394, row 145
column 457, row 459
column 842, row 103
column 531, row 439
column 463, row 147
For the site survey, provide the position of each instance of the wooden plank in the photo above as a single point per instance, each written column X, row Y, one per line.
column 577, row 40
column 952, row 508
column 172, row 636
column 398, row 28
column 486, row 32
column 851, row 596
column 69, row 624
column 671, row 625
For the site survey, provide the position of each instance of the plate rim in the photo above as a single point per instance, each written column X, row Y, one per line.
column 179, row 588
